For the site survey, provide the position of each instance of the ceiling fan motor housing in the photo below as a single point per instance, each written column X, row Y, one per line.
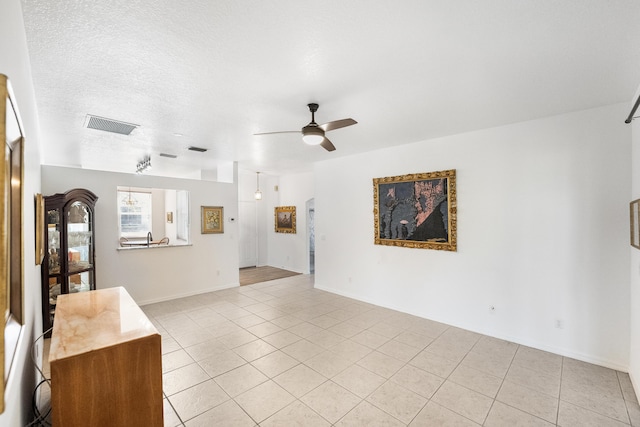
column 312, row 134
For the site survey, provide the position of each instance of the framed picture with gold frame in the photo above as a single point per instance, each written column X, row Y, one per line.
column 11, row 226
column 212, row 219
column 285, row 219
column 416, row 210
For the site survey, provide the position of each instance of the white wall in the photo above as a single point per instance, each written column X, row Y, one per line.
column 634, row 355
column 251, row 221
column 158, row 219
column 14, row 62
column 170, row 228
column 161, row 273
column 286, row 250
column 543, row 234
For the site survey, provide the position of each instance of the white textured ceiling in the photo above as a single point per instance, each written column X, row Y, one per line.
column 212, row 73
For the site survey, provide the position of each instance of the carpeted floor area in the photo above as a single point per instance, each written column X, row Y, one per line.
column 251, row 275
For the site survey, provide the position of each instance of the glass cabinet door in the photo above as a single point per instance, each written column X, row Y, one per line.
column 79, row 247
column 53, row 256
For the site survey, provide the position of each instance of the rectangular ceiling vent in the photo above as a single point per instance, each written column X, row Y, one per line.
column 171, row 156
column 198, row 149
column 108, row 125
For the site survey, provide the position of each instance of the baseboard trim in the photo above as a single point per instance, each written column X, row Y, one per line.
column 188, row 294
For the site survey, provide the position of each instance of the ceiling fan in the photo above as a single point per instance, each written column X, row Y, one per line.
column 313, row 134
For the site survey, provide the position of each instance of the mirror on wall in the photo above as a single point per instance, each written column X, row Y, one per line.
column 152, row 217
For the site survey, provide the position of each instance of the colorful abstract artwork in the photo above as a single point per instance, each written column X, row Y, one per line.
column 416, row 210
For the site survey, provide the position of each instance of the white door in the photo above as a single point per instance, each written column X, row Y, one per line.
column 248, row 234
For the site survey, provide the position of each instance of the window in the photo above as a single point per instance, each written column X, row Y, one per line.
column 134, row 213
column 152, row 217
column 182, row 215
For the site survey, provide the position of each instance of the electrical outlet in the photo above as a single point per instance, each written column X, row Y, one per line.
column 559, row 324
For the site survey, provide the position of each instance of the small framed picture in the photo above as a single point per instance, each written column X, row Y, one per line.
column 212, row 219
column 285, row 217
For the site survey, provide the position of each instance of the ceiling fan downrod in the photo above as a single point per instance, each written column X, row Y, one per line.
column 313, row 107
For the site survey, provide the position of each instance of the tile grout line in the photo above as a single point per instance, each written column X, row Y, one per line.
column 623, row 398
column 495, row 398
column 299, row 302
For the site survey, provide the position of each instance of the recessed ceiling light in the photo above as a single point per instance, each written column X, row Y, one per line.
column 171, row 156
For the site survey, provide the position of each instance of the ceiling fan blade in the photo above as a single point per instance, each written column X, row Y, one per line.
column 337, row 124
column 282, row 131
column 327, row 145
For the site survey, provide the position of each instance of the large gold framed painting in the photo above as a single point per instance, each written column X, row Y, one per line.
column 416, row 210
column 11, row 226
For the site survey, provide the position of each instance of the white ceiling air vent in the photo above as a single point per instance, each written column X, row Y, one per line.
column 108, row 125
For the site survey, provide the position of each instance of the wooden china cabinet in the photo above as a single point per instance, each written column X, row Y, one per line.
column 69, row 259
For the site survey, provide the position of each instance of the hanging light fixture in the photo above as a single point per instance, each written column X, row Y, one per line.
column 258, row 193
column 130, row 201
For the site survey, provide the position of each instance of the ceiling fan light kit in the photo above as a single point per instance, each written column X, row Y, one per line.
column 313, row 134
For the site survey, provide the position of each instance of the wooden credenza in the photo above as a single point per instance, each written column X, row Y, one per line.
column 106, row 362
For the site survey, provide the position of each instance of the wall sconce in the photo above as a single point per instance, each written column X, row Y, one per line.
column 170, row 217
column 258, row 193
column 144, row 165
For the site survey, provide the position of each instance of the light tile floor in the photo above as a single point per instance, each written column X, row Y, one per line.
column 282, row 353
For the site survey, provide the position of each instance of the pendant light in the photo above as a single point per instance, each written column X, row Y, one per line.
column 258, row 193
column 130, row 201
